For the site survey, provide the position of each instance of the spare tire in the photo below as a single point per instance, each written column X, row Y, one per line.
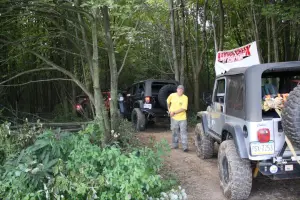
column 164, row 93
column 291, row 117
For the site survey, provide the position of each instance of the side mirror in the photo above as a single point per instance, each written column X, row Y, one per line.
column 206, row 97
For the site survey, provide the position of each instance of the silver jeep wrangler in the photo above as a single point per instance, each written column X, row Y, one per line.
column 251, row 140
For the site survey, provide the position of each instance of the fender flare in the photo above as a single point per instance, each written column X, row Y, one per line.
column 202, row 116
column 238, row 137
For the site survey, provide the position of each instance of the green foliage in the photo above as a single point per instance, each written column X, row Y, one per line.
column 68, row 166
column 192, row 119
column 125, row 136
column 62, row 116
column 13, row 141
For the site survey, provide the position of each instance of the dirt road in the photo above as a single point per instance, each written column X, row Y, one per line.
column 200, row 178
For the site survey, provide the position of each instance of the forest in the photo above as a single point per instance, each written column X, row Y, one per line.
column 51, row 51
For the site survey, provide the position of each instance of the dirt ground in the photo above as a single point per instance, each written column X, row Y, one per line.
column 200, row 177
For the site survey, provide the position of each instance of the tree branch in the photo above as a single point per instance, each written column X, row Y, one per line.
column 26, row 72
column 37, row 81
column 124, row 60
column 126, row 54
column 66, row 72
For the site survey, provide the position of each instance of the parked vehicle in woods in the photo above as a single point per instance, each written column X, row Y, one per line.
column 253, row 113
column 146, row 101
column 83, row 106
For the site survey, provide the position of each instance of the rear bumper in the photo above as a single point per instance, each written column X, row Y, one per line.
column 155, row 112
column 288, row 170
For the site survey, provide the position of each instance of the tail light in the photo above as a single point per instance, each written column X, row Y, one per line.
column 78, row 107
column 263, row 135
column 147, row 99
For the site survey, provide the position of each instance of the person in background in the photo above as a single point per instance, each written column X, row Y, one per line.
column 121, row 102
column 177, row 107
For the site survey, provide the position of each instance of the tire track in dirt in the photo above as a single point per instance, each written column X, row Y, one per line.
column 200, row 178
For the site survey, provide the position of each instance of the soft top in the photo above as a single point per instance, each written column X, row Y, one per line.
column 268, row 67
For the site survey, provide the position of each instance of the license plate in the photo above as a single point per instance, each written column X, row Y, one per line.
column 258, row 148
column 149, row 106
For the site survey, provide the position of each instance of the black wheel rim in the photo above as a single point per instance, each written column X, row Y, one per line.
column 225, row 170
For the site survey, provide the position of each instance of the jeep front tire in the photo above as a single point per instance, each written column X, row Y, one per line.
column 235, row 173
column 204, row 144
column 138, row 119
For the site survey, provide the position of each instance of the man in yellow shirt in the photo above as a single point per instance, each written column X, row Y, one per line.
column 177, row 106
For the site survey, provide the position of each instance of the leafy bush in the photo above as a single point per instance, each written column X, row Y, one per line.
column 192, row 119
column 12, row 141
column 125, row 135
column 68, row 166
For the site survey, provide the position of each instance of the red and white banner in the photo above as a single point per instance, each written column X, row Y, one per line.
column 240, row 57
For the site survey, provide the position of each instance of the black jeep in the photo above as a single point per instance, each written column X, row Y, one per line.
column 146, row 101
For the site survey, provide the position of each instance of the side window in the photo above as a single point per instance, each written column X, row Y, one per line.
column 219, row 95
column 235, row 96
column 140, row 89
column 133, row 90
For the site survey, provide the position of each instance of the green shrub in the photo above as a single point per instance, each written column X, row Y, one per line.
column 68, row 166
column 13, row 141
column 192, row 119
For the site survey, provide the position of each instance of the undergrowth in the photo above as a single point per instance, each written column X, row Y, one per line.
column 64, row 165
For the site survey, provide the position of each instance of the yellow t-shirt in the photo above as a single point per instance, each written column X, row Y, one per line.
column 178, row 102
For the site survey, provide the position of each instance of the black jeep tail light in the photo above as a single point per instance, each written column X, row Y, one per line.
column 147, row 99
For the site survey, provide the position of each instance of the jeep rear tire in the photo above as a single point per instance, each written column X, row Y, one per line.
column 290, row 117
column 235, row 173
column 204, row 144
column 164, row 93
column 138, row 119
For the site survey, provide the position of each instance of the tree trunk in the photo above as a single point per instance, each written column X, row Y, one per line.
column 199, row 58
column 268, row 39
column 221, row 39
column 113, row 70
column 256, row 33
column 182, row 67
column 101, row 114
column 295, row 48
column 173, row 37
column 275, row 42
column 215, row 33
column 287, row 42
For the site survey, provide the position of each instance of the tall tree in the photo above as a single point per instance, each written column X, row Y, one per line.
column 173, row 38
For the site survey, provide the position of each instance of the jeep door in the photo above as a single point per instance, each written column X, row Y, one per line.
column 217, row 117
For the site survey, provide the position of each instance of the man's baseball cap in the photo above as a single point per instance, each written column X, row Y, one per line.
column 180, row 87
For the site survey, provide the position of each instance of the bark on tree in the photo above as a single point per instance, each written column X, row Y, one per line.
column 199, row 57
column 173, row 38
column 100, row 111
column 215, row 33
column 221, row 35
column 287, row 42
column 113, row 69
column 182, row 67
column 275, row 42
column 256, row 33
column 268, row 39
